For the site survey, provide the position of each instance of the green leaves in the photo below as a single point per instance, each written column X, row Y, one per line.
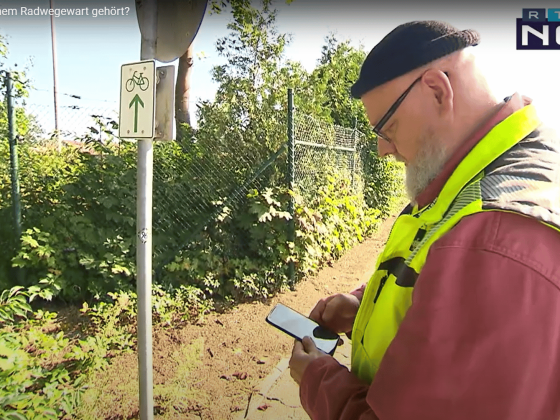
column 246, row 256
column 27, row 388
column 82, row 212
column 13, row 303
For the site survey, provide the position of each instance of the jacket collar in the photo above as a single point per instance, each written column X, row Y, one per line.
column 510, row 105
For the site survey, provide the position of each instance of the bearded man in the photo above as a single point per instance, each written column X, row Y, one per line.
column 461, row 319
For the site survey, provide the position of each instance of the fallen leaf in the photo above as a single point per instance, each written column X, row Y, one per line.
column 263, row 407
column 226, row 377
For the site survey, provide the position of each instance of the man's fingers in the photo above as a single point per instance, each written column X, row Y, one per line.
column 316, row 313
column 329, row 313
column 298, row 347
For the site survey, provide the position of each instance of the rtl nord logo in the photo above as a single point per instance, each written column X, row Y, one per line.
column 537, row 31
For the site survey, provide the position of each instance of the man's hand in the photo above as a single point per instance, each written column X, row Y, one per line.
column 336, row 312
column 303, row 353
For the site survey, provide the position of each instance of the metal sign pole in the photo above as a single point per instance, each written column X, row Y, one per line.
column 144, row 114
column 144, row 240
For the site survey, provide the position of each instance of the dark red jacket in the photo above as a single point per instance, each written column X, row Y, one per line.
column 481, row 340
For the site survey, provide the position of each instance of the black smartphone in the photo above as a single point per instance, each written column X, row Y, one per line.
column 298, row 326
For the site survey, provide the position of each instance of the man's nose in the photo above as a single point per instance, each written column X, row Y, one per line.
column 384, row 147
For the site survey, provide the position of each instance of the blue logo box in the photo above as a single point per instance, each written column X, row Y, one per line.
column 538, row 30
column 538, row 35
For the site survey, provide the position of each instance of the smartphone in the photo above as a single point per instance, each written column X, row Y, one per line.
column 298, row 326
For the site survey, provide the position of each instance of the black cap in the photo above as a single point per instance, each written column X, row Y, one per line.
column 408, row 47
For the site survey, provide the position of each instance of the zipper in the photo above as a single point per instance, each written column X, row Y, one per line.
column 381, row 284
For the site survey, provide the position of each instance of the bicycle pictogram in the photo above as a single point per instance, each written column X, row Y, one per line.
column 141, row 81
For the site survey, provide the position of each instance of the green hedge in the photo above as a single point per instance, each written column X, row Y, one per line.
column 79, row 227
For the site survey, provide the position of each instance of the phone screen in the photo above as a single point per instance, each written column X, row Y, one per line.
column 299, row 326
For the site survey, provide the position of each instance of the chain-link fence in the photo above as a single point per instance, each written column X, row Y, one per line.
column 322, row 149
column 190, row 193
column 196, row 179
column 193, row 180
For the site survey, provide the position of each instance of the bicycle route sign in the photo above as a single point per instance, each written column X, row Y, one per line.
column 137, row 103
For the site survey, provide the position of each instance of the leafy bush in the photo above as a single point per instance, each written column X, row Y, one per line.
column 28, row 389
column 13, row 303
column 44, row 374
column 339, row 67
column 34, row 383
column 78, row 234
column 80, row 238
column 247, row 255
column 384, row 180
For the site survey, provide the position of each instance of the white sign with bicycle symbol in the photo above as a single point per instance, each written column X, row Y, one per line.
column 137, row 107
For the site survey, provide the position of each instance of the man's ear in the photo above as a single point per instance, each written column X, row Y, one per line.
column 440, row 88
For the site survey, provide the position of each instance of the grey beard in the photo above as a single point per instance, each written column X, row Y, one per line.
column 429, row 162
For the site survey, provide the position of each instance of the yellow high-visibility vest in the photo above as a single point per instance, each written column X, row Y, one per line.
column 494, row 176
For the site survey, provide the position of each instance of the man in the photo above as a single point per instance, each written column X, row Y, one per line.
column 461, row 320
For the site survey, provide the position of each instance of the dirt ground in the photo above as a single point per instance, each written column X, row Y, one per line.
column 208, row 370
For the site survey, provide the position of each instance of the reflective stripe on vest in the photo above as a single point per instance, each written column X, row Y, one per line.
column 483, row 181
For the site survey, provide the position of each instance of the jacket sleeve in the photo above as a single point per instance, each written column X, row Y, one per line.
column 480, row 341
column 329, row 391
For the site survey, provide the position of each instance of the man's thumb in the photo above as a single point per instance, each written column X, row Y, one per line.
column 308, row 344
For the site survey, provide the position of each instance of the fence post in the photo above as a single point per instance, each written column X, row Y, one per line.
column 16, row 199
column 291, row 178
column 353, row 161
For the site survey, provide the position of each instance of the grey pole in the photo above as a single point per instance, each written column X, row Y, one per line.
column 55, row 80
column 144, row 240
column 16, row 199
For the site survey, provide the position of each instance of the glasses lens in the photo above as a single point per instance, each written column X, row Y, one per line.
column 380, row 136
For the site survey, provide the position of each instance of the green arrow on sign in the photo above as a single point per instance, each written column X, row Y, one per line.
column 135, row 101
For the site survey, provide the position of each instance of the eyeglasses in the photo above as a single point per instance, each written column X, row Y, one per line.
column 393, row 109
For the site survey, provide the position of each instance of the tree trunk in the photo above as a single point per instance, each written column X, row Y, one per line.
column 182, row 89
